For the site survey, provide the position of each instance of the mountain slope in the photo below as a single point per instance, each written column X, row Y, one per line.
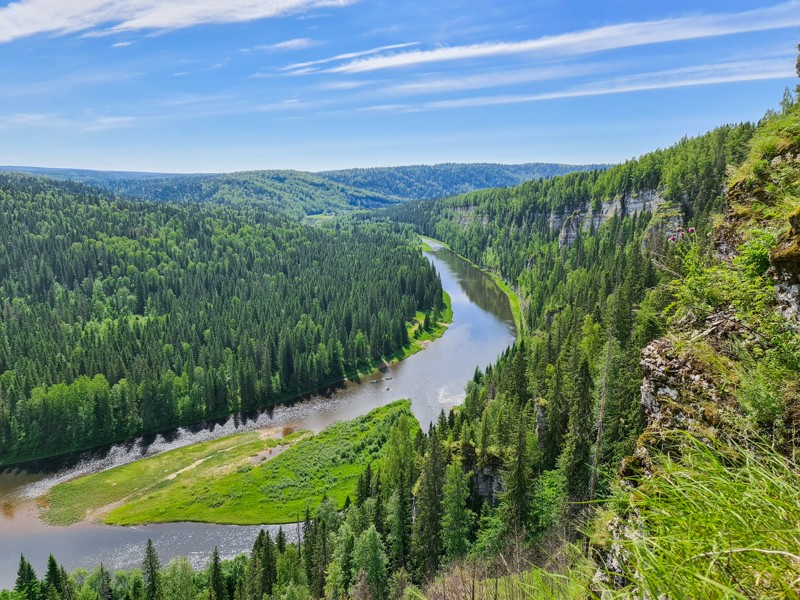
column 294, row 192
column 120, row 318
column 419, row 182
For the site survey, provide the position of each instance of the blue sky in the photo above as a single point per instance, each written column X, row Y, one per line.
column 223, row 85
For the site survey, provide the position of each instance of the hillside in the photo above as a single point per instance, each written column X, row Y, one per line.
column 420, row 182
column 640, row 438
column 658, row 373
column 295, row 193
column 121, row 318
column 299, row 193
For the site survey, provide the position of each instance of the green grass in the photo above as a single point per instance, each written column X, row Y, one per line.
column 720, row 522
column 275, row 491
column 88, row 496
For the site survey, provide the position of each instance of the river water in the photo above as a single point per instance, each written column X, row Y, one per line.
column 433, row 379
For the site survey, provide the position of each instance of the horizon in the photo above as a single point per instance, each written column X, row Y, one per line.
column 318, row 85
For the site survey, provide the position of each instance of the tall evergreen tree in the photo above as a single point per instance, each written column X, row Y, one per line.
column 151, row 573
column 427, row 536
column 457, row 518
column 216, row 579
column 27, row 584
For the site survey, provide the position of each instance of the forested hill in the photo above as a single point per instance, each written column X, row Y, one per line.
column 296, row 193
column 420, row 182
column 651, row 402
column 123, row 317
column 299, row 193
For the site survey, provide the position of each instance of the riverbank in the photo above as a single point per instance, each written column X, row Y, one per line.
column 482, row 328
column 246, row 479
column 505, row 287
column 419, row 339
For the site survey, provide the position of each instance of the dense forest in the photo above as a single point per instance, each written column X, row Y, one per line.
column 419, row 182
column 125, row 317
column 638, row 441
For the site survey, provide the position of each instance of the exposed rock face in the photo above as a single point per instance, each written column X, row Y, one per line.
column 629, row 204
column 487, row 482
column 785, row 257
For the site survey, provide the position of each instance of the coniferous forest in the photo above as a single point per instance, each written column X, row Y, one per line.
column 121, row 318
column 637, row 440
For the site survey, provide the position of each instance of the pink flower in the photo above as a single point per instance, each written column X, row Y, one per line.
column 672, row 238
column 691, row 229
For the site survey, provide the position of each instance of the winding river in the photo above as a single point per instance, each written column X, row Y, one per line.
column 434, row 379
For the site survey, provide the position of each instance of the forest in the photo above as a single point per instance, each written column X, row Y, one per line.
column 639, row 439
column 121, row 318
column 421, row 182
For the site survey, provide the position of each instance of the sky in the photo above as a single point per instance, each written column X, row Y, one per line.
column 228, row 85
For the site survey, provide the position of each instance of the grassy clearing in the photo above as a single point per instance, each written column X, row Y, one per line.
column 91, row 495
column 275, row 491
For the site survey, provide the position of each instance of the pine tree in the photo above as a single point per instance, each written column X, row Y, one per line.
column 518, row 479
column 458, row 519
column 427, row 537
column 151, row 573
column 104, row 589
column 280, row 541
column 576, row 459
column 369, row 559
column 216, row 580
column 27, row 584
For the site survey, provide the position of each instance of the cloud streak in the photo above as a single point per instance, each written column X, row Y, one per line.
column 30, row 17
column 304, row 66
column 674, row 78
column 624, row 35
column 295, row 44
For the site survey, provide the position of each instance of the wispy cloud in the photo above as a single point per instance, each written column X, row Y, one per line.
column 29, row 17
column 439, row 84
column 303, row 66
column 658, row 80
column 55, row 121
column 121, row 44
column 610, row 37
column 294, row 44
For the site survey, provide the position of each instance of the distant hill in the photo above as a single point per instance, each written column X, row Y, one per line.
column 295, row 192
column 301, row 193
column 420, row 182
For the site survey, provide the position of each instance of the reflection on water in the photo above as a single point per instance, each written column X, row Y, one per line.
column 434, row 380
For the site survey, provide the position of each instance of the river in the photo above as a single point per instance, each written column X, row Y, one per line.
column 433, row 379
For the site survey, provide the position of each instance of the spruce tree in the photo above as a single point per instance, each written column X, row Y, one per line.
column 151, row 573
column 27, row 584
column 427, row 536
column 216, row 580
column 457, row 519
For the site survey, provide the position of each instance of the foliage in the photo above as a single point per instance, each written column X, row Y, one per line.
column 121, row 318
column 717, row 522
column 448, row 179
column 275, row 491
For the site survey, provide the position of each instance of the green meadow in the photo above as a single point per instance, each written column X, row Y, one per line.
column 232, row 480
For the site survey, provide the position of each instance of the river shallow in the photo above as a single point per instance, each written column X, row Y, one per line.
column 433, row 379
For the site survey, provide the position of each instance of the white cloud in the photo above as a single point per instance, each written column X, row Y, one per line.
column 295, row 44
column 436, row 85
column 302, row 66
column 54, row 121
column 673, row 78
column 29, row 17
column 121, row 44
column 610, row 37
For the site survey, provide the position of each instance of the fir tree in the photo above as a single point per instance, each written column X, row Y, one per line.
column 151, row 573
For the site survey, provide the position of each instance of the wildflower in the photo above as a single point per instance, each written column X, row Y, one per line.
column 691, row 230
column 672, row 238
